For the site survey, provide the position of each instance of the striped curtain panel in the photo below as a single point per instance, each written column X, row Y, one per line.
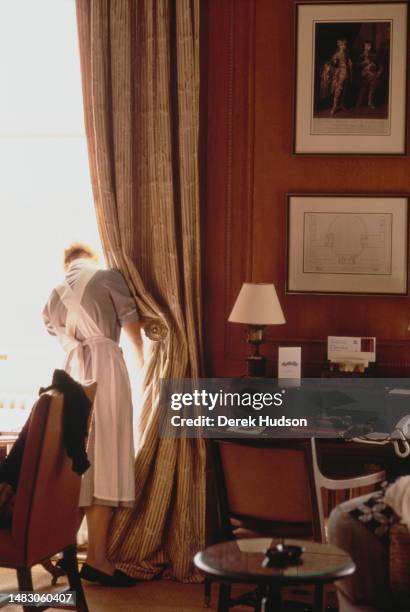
column 140, row 75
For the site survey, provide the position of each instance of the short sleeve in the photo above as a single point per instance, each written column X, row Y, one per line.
column 123, row 301
column 47, row 316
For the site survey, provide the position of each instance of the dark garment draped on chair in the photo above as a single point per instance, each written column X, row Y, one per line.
column 76, row 412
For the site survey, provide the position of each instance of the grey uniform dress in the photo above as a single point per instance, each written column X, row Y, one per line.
column 106, row 302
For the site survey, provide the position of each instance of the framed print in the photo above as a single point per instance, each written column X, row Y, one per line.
column 351, row 78
column 347, row 244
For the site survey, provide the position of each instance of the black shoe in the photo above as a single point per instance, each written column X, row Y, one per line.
column 94, row 575
column 123, row 580
column 118, row 579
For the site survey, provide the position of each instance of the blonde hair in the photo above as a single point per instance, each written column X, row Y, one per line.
column 78, row 250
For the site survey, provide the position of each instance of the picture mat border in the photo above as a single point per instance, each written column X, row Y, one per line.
column 293, row 260
column 355, row 142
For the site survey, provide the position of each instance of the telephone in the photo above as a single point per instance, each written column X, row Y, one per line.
column 400, row 437
column 403, row 425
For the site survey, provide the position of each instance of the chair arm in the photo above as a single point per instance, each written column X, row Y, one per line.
column 351, row 483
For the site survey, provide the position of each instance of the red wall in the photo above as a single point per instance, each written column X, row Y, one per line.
column 248, row 67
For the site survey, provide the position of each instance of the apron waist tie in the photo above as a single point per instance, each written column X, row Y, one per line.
column 72, row 343
column 100, row 340
column 75, row 351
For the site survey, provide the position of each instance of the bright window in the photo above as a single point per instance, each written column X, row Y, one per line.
column 45, row 192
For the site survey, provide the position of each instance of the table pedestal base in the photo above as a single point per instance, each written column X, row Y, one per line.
column 273, row 601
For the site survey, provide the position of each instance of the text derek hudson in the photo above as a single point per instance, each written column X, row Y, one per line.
column 249, row 421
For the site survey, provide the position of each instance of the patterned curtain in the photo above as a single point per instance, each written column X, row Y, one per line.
column 140, row 74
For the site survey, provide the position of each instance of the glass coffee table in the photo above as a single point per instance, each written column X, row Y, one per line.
column 241, row 561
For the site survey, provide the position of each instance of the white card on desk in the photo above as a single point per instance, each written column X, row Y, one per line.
column 289, row 362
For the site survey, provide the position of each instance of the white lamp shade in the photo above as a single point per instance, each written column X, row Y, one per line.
column 257, row 304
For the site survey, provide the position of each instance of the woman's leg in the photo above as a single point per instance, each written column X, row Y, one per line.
column 98, row 522
column 369, row 584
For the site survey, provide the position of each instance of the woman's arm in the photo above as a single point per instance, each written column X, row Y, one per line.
column 133, row 331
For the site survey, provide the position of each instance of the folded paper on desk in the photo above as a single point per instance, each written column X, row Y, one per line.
column 353, row 351
column 399, row 392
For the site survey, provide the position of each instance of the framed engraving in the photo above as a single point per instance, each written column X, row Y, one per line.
column 347, row 244
column 351, row 74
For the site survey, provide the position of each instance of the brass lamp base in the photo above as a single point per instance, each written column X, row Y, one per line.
column 256, row 365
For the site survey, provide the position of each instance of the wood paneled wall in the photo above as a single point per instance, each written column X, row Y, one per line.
column 248, row 66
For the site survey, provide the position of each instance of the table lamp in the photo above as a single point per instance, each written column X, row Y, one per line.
column 257, row 305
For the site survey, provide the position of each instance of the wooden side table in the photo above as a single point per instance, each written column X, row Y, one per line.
column 240, row 561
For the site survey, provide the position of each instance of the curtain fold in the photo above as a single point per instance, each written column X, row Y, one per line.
column 140, row 75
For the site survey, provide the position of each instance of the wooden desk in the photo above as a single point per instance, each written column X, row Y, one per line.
column 344, row 459
column 337, row 458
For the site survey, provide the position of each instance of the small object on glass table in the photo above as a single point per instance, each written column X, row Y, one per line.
column 283, row 555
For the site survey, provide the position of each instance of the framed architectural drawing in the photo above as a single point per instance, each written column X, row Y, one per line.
column 347, row 244
column 351, row 78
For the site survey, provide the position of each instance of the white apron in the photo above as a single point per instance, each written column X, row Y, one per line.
column 111, row 427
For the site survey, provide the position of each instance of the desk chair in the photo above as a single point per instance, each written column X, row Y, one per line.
column 45, row 515
column 273, row 488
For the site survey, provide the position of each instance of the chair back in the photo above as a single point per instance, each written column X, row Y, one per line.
column 273, row 484
column 45, row 516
